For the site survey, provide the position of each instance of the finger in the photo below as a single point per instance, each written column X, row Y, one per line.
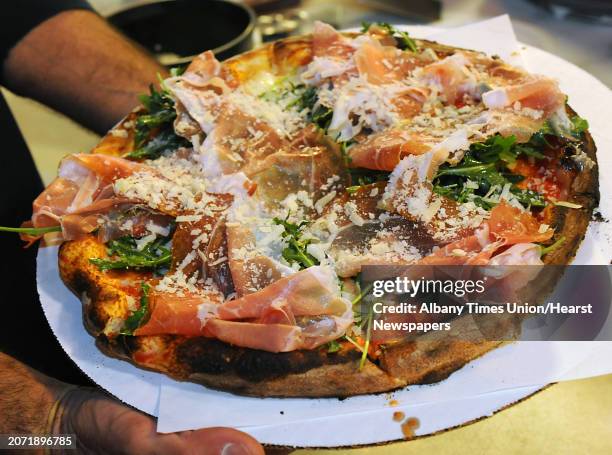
column 219, row 440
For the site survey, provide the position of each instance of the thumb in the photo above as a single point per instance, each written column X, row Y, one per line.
column 220, row 441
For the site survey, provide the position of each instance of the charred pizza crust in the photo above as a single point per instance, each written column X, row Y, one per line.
column 307, row 373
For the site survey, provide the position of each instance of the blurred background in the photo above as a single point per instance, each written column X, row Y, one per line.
column 573, row 417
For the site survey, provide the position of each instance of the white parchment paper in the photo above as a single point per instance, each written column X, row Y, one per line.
column 501, row 377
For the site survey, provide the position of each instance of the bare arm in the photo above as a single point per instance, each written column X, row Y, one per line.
column 78, row 64
column 100, row 423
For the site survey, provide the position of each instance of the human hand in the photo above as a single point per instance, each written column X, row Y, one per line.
column 104, row 425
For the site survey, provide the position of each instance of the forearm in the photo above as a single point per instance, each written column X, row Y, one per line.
column 26, row 398
column 78, row 64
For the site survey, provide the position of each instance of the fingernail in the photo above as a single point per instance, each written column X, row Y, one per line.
column 232, row 448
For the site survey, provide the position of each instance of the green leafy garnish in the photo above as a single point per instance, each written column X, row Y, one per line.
column 320, row 115
column 357, row 313
column 483, row 175
column 31, row 230
column 138, row 317
column 365, row 323
column 295, row 252
column 368, row 329
column 361, row 176
column 155, row 128
column 404, row 42
column 124, row 254
column 346, row 158
column 547, row 249
column 165, row 141
column 160, row 111
column 559, row 127
column 333, row 346
column 580, row 125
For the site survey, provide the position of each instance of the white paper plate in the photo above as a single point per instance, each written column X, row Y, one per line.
column 360, row 420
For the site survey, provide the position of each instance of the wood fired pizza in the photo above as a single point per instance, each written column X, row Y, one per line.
column 217, row 233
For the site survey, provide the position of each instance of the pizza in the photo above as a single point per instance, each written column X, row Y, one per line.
column 217, row 233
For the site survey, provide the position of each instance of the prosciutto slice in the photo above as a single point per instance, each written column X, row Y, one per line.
column 310, row 292
column 82, row 192
column 239, row 143
column 307, row 307
column 507, row 226
column 539, row 93
column 328, row 42
column 384, row 150
column 175, row 314
column 450, row 76
column 383, row 64
column 198, row 94
column 191, row 238
column 250, row 269
column 331, row 57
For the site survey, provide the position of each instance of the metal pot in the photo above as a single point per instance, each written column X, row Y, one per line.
column 177, row 30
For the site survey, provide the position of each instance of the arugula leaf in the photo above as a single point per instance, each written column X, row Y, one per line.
column 295, row 252
column 160, row 111
column 333, row 346
column 320, row 115
column 124, row 255
column 580, row 125
column 484, row 173
column 404, row 42
column 165, row 141
column 155, row 128
column 494, row 149
column 366, row 346
column 529, row 198
column 31, row 230
column 547, row 249
column 138, row 317
column 361, row 176
column 559, row 126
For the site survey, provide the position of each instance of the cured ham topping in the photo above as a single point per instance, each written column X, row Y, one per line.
column 172, row 314
column 506, row 226
column 270, row 319
column 328, row 42
column 384, row 150
column 380, row 64
column 82, row 193
column 310, row 292
column 540, row 94
column 450, row 76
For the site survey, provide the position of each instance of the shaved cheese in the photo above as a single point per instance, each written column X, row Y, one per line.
column 350, row 209
column 324, row 67
column 496, row 99
column 142, row 242
column 322, row 202
column 162, row 231
column 188, row 218
column 207, row 311
column 285, row 122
